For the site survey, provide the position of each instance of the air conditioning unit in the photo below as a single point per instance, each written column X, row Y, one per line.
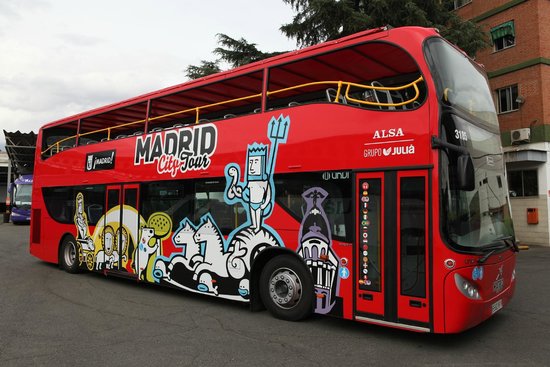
column 521, row 136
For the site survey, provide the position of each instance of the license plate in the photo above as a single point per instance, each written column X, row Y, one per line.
column 496, row 306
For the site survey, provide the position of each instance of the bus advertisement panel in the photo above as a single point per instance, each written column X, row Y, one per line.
column 361, row 178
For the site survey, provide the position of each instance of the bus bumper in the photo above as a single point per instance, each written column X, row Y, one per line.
column 20, row 218
column 495, row 289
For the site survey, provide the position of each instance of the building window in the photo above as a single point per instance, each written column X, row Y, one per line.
column 459, row 3
column 523, row 183
column 503, row 36
column 508, row 99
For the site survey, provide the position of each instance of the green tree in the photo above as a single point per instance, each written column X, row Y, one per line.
column 232, row 51
column 239, row 52
column 321, row 20
column 204, row 69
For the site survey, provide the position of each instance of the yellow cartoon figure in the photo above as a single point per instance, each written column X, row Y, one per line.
column 107, row 257
column 122, row 239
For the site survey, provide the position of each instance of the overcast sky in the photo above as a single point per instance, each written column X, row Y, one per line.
column 62, row 57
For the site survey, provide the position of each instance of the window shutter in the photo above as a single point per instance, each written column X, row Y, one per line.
column 505, row 29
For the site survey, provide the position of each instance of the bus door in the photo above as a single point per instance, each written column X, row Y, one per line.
column 391, row 261
column 121, row 226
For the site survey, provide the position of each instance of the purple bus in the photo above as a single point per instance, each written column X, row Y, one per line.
column 20, row 194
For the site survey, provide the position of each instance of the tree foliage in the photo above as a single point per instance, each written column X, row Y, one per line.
column 321, row 20
column 235, row 52
column 204, row 69
column 239, row 52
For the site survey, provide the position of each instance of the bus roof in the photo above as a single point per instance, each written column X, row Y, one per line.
column 136, row 107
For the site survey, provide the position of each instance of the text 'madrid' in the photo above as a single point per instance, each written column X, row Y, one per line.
column 179, row 150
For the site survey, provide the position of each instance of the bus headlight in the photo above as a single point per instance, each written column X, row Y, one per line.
column 466, row 288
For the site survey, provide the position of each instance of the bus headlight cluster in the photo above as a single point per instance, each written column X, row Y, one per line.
column 466, row 288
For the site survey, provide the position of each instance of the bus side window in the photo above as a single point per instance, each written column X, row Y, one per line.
column 94, row 199
column 172, row 198
column 336, row 205
column 59, row 203
column 209, row 199
column 95, row 211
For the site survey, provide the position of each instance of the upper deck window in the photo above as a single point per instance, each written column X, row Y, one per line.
column 113, row 124
column 222, row 100
column 59, row 138
column 349, row 76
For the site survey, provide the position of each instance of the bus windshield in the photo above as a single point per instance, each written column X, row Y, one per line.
column 22, row 196
column 477, row 218
column 480, row 217
column 460, row 83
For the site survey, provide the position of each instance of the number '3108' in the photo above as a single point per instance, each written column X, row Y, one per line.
column 461, row 135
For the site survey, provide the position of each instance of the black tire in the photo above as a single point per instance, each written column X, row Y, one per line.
column 68, row 255
column 286, row 288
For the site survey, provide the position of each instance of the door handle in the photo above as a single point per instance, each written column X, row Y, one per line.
column 414, row 303
column 366, row 296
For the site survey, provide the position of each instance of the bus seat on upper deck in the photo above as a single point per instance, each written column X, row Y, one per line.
column 331, row 96
column 382, row 96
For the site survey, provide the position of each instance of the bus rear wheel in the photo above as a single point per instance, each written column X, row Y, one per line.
column 286, row 288
column 69, row 255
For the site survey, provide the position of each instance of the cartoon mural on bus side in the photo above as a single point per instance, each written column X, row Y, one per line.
column 83, row 238
column 108, row 255
column 209, row 263
column 124, row 239
column 316, row 250
column 111, row 246
column 158, row 228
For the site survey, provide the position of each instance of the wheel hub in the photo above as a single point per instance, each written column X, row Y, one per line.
column 70, row 254
column 285, row 288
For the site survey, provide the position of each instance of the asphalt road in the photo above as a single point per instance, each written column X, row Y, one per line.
column 52, row 318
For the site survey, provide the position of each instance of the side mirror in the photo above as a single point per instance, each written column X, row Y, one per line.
column 465, row 173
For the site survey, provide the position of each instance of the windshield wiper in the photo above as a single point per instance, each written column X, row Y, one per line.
column 511, row 243
column 486, row 256
column 508, row 243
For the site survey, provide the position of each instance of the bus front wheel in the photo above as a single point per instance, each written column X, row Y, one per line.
column 69, row 255
column 286, row 288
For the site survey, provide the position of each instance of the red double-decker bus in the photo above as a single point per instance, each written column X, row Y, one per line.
column 361, row 178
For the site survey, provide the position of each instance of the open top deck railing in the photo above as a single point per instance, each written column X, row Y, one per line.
column 342, row 94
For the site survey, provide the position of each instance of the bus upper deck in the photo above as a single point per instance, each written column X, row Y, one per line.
column 364, row 70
